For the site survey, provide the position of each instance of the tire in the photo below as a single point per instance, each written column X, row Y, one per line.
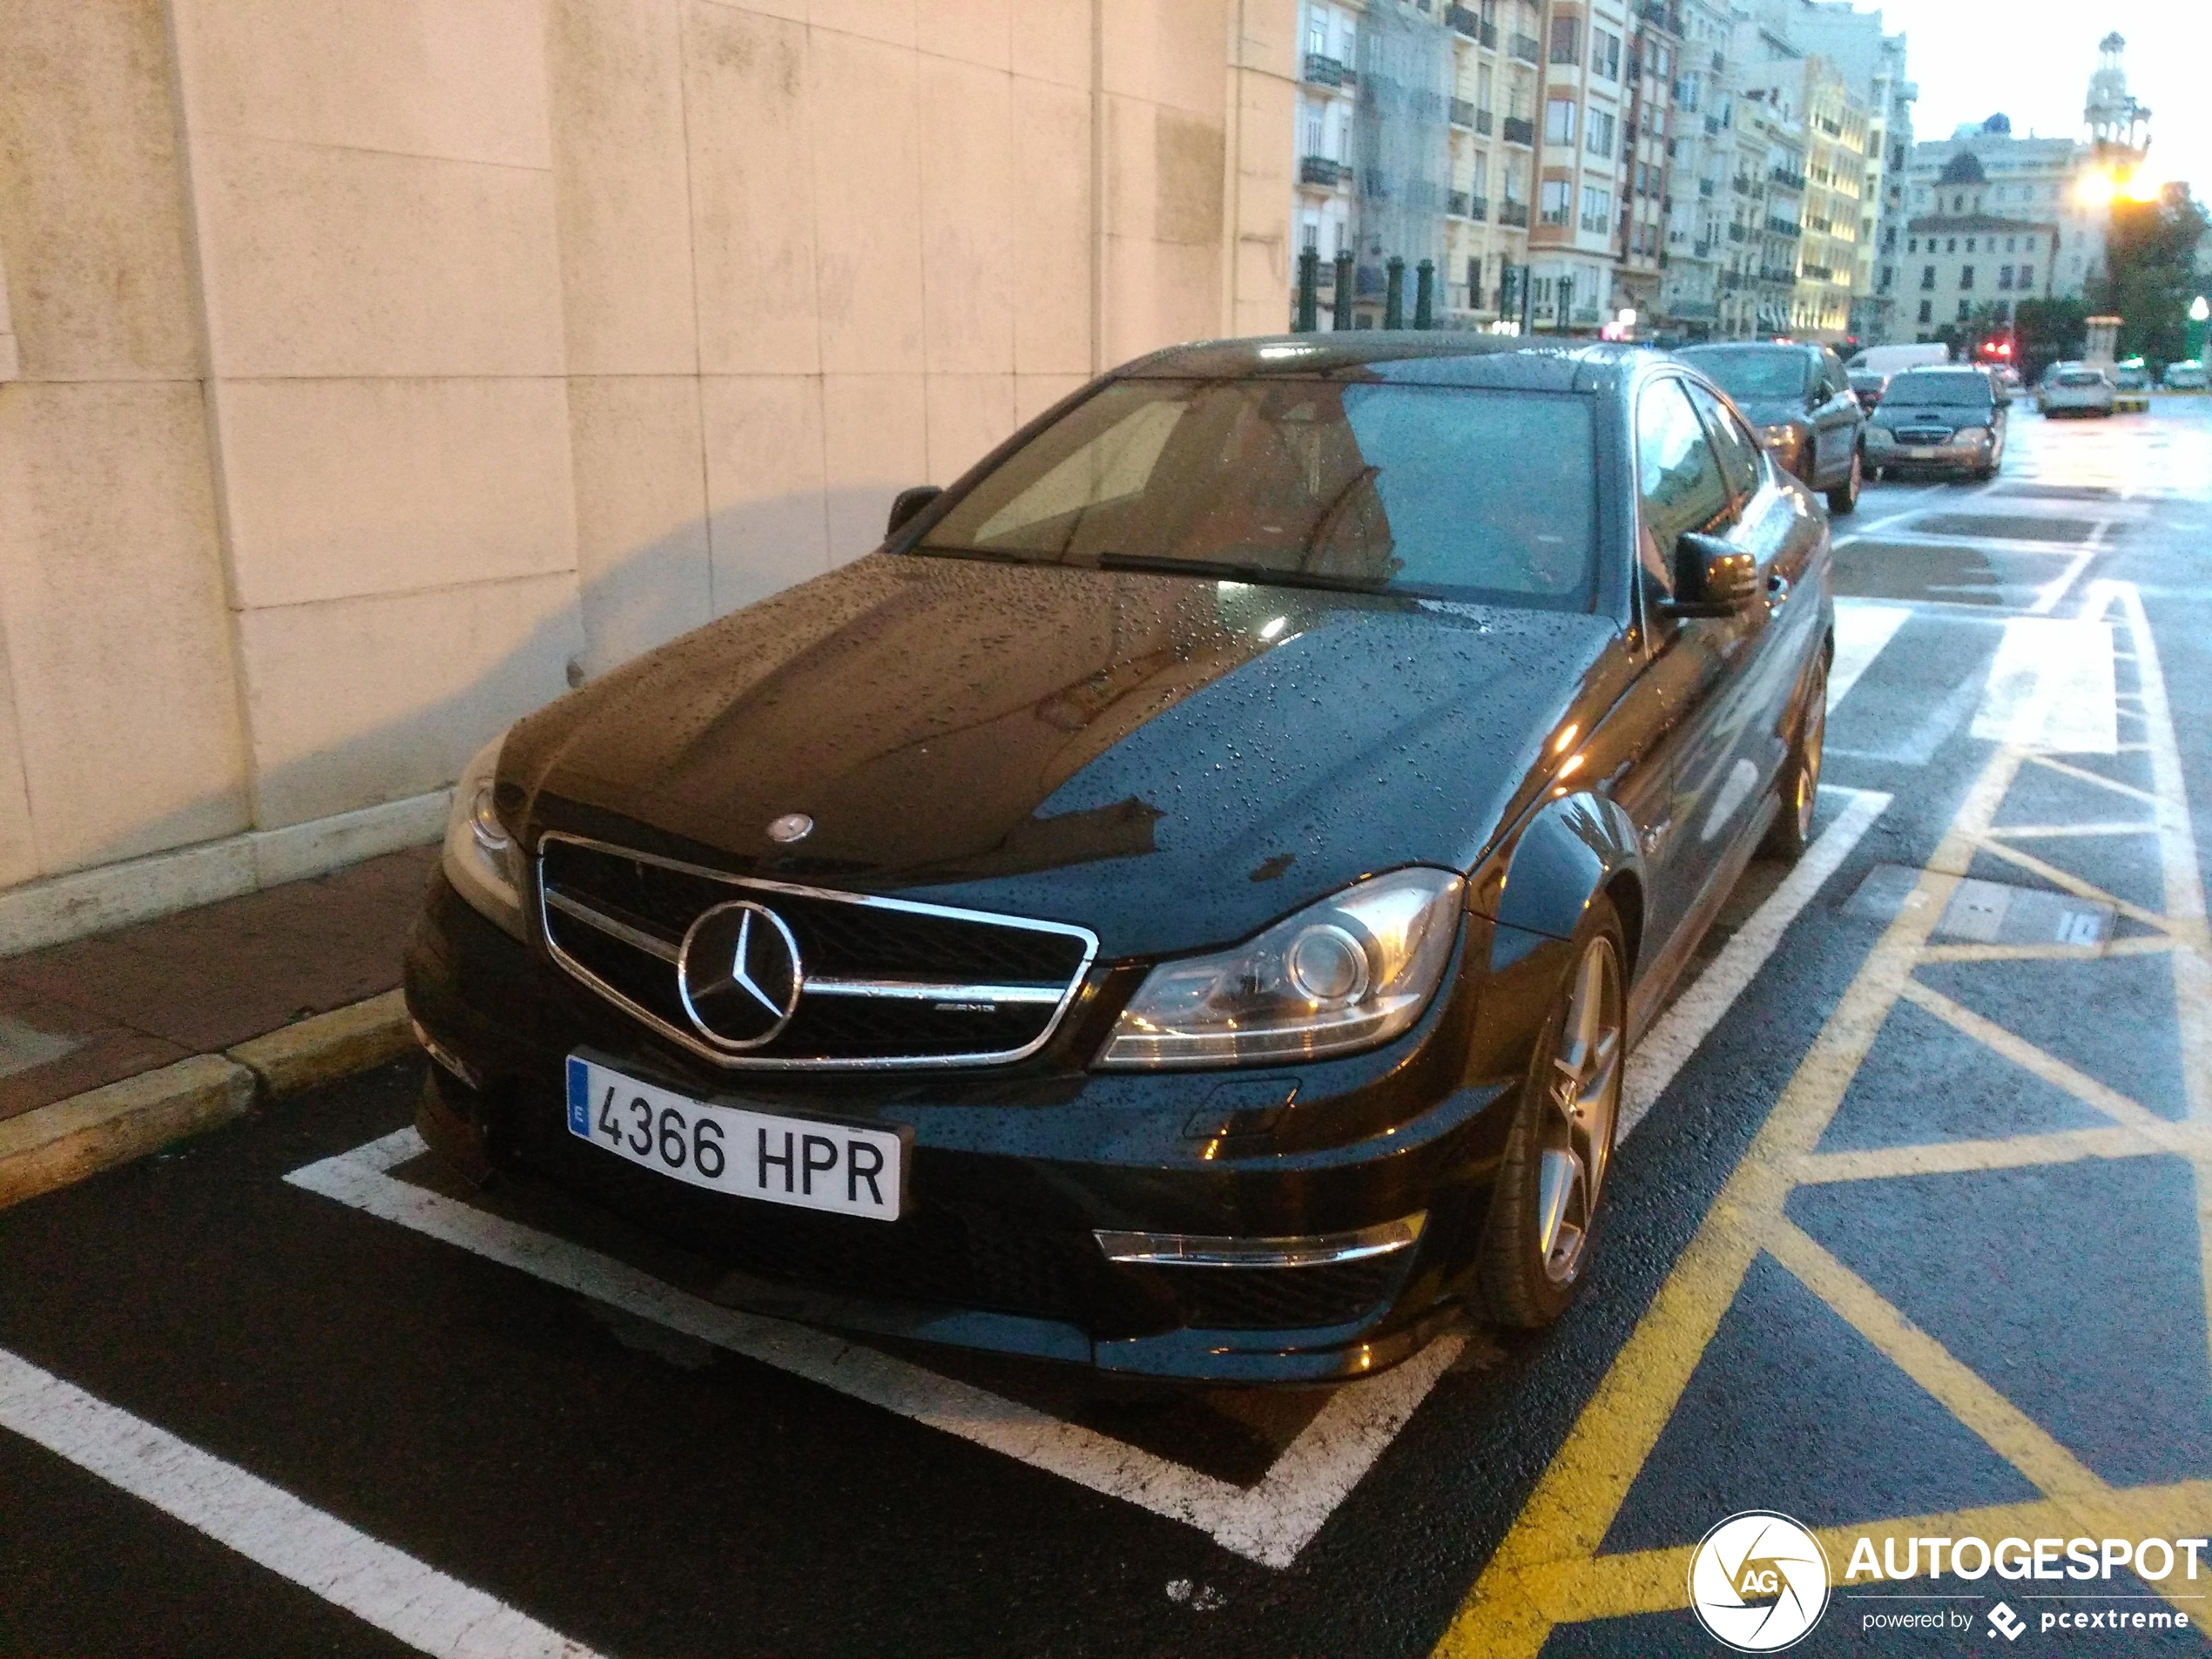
column 1844, row 499
column 1551, row 1184
column 1791, row 832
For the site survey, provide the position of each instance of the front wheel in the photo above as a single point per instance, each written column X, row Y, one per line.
column 1791, row 833
column 1546, row 1206
column 1844, row 498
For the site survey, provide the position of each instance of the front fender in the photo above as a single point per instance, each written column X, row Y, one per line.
column 1570, row 848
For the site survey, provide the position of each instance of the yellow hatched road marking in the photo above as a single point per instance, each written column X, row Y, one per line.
column 1547, row 1571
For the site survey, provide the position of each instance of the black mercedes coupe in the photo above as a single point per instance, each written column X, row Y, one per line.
column 1182, row 904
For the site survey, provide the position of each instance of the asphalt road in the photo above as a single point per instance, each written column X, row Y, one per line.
column 1910, row 1240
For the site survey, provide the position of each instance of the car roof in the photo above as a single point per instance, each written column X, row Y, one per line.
column 1417, row 357
column 1715, row 347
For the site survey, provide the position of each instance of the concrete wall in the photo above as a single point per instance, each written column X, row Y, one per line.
column 383, row 366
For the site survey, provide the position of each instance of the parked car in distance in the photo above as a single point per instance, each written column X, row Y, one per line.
column 2074, row 388
column 1182, row 904
column 1798, row 397
column 2187, row 375
column 2008, row 377
column 1950, row 420
column 1867, row 386
column 2131, row 387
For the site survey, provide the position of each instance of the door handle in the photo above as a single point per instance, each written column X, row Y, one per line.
column 1777, row 590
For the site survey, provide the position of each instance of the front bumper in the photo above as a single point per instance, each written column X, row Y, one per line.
column 1885, row 451
column 1016, row 1168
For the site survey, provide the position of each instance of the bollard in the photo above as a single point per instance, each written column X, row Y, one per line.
column 1308, row 291
column 1341, row 318
column 1425, row 294
column 1394, row 293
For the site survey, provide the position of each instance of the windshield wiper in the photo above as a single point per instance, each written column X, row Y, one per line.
column 1231, row 570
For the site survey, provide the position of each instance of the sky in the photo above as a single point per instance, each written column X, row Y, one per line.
column 2033, row 59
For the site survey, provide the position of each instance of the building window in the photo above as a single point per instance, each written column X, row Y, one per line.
column 1970, row 245
column 1927, row 276
column 1597, row 207
column 1553, row 201
column 2027, row 276
column 1559, row 121
column 1912, row 244
column 1963, row 309
column 1309, row 235
column 1598, row 130
column 2008, row 245
column 1927, row 310
column 1965, row 277
column 1605, row 53
column 2004, row 276
column 1567, row 40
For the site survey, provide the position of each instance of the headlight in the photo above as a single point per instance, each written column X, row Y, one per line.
column 1348, row 973
column 481, row 859
column 1971, row 435
column 1784, row 440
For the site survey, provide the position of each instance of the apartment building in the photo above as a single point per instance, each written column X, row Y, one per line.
column 1962, row 257
column 1693, row 294
column 1416, row 133
column 2029, row 179
column 1828, row 253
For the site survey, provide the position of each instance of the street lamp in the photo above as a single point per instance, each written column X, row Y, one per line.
column 2200, row 313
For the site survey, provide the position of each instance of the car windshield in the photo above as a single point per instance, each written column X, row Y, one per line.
column 1749, row 374
column 1448, row 492
column 2080, row 377
column 1941, row 390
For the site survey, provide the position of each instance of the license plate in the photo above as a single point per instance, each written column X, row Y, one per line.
column 804, row 1161
column 1921, row 452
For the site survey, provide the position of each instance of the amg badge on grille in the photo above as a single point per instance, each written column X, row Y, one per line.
column 738, row 974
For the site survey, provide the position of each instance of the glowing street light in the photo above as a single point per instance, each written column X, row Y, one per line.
column 2199, row 310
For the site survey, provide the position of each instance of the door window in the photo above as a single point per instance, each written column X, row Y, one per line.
column 1737, row 449
column 1678, row 478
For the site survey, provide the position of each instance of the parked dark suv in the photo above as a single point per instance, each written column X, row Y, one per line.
column 1800, row 398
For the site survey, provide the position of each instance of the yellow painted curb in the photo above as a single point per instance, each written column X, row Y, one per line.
column 51, row 1146
column 327, row 1045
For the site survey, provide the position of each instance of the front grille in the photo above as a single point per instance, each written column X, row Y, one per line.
column 1923, row 434
column 1280, row 1298
column 884, row 982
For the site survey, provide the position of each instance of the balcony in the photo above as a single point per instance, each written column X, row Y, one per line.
column 1457, row 204
column 1482, row 120
column 1705, row 188
column 1701, row 251
column 1557, row 216
column 1514, row 213
column 1783, row 228
column 1731, row 281
column 1462, row 112
column 1321, row 70
column 1741, row 183
column 1520, row 131
column 1787, row 180
column 1464, row 22
column 1375, row 183
column 1712, row 124
column 1320, row 170
column 1735, row 233
column 1817, row 274
column 1478, row 207
column 1524, row 47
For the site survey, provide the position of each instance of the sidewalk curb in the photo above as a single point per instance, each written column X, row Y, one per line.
column 53, row 1145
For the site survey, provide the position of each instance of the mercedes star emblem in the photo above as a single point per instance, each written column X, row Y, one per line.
column 792, row 827
column 738, row 974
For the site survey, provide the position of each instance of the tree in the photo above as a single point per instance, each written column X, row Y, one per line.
column 2150, row 273
column 2046, row 332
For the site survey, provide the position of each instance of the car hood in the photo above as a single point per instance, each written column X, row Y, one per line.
column 1171, row 762
column 1956, row 415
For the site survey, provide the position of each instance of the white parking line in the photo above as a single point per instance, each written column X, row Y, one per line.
column 373, row 1582
column 1862, row 629
column 2051, row 687
column 1676, row 1035
column 1269, row 1523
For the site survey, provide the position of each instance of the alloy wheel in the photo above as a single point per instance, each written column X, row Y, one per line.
column 1582, row 1097
column 1807, row 787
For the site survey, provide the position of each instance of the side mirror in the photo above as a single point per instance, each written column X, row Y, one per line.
column 907, row 504
column 1712, row 578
